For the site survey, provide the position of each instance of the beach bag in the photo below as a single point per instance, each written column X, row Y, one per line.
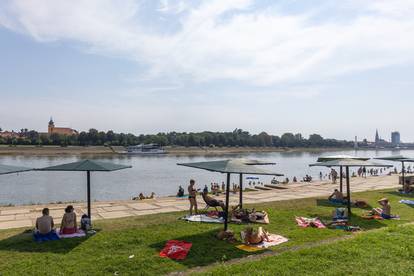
column 85, row 223
column 340, row 214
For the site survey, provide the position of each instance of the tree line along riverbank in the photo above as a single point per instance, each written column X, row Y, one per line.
column 170, row 150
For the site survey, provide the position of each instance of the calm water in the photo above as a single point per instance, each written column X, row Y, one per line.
column 158, row 174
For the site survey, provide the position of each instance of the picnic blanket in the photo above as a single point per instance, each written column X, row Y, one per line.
column 407, row 201
column 203, row 218
column 80, row 233
column 176, row 250
column 51, row 236
column 273, row 240
column 309, row 222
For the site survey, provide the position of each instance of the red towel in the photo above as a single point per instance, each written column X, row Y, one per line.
column 176, row 250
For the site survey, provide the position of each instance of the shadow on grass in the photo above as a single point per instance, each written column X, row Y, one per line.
column 23, row 242
column 357, row 220
column 207, row 249
column 327, row 203
column 396, row 193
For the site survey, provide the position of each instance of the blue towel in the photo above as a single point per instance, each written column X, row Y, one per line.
column 407, row 201
column 51, row 236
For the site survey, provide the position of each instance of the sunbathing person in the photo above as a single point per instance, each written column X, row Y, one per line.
column 44, row 224
column 212, row 202
column 253, row 237
column 68, row 225
column 337, row 197
column 151, row 196
column 385, row 211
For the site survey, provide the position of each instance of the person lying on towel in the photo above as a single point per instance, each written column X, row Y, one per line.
column 337, row 197
column 255, row 237
column 44, row 224
column 68, row 225
column 385, row 211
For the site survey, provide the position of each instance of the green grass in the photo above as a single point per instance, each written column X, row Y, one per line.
column 389, row 251
column 107, row 252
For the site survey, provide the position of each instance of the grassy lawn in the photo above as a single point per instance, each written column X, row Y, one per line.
column 107, row 252
column 388, row 251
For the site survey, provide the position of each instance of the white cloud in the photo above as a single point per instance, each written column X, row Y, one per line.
column 227, row 40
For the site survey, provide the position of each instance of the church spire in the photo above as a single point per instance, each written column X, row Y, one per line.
column 377, row 138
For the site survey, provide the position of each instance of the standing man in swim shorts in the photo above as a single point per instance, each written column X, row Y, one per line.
column 192, row 193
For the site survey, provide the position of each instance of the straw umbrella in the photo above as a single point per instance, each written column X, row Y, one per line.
column 347, row 163
column 7, row 169
column 398, row 158
column 228, row 167
column 339, row 157
column 87, row 166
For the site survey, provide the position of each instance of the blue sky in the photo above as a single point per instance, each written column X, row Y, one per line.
column 336, row 68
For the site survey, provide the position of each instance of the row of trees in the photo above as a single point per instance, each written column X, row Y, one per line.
column 238, row 137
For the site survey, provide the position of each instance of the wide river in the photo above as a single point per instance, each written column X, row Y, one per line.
column 158, row 174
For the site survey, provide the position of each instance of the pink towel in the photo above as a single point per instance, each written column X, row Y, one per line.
column 309, row 222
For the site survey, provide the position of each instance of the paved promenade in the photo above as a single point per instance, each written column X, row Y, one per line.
column 25, row 216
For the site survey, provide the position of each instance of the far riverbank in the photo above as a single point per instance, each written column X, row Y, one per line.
column 118, row 150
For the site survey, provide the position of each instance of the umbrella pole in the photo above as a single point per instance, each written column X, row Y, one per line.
column 340, row 179
column 348, row 191
column 88, row 188
column 403, row 174
column 241, row 192
column 227, row 202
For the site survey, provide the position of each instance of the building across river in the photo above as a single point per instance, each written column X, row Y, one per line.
column 52, row 129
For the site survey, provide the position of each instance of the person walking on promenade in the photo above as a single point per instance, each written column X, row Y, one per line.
column 192, row 193
column 334, row 176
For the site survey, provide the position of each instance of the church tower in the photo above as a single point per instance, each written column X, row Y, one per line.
column 377, row 138
column 51, row 126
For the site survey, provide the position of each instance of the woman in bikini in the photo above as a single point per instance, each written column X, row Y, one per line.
column 68, row 225
column 192, row 193
column 253, row 237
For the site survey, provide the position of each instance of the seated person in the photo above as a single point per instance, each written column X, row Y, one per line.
column 337, row 197
column 180, row 191
column 295, row 179
column 385, row 211
column 141, row 196
column 45, row 224
column 151, row 196
column 253, row 237
column 210, row 201
column 68, row 225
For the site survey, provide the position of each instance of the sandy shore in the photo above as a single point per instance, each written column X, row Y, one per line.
column 96, row 150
